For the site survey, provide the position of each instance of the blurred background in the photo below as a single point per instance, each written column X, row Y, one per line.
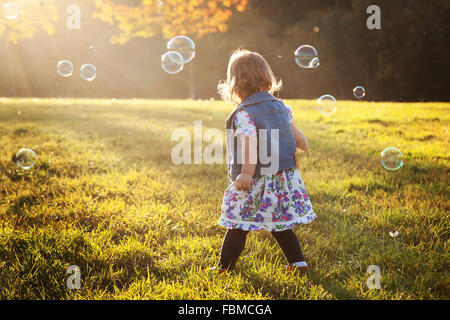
column 406, row 60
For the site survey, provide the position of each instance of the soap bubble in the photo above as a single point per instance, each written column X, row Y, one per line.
column 65, row 68
column 25, row 158
column 391, row 159
column 359, row 92
column 172, row 62
column 314, row 63
column 88, row 72
column 11, row 11
column 327, row 104
column 184, row 45
column 306, row 57
column 93, row 48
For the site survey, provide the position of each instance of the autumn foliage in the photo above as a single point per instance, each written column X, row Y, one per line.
column 33, row 17
column 144, row 19
column 170, row 17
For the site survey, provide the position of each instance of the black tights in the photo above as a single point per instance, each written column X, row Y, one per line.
column 234, row 243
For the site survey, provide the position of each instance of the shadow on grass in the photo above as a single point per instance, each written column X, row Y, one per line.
column 333, row 287
column 100, row 124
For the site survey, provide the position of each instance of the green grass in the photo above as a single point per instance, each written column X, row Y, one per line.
column 105, row 196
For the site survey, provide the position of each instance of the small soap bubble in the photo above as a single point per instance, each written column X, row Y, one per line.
column 88, row 72
column 25, row 158
column 391, row 159
column 93, row 48
column 11, row 11
column 314, row 63
column 359, row 92
column 306, row 57
column 327, row 104
column 172, row 62
column 65, row 68
column 184, row 45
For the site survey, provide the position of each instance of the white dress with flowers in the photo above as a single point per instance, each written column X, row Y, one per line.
column 274, row 203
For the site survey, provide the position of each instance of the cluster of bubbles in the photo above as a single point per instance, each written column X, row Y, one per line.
column 327, row 103
column 87, row 71
column 180, row 50
column 25, row 158
column 11, row 11
column 64, row 67
column 306, row 57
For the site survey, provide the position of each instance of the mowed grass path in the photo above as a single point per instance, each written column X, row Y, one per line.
column 104, row 195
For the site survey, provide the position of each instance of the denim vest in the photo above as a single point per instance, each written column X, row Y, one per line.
column 268, row 113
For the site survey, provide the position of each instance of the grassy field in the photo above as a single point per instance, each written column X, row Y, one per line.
column 104, row 195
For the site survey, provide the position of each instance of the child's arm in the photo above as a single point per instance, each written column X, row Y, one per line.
column 300, row 138
column 249, row 151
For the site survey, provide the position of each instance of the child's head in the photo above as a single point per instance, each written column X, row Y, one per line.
column 248, row 73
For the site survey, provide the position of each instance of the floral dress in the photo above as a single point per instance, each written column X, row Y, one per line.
column 274, row 203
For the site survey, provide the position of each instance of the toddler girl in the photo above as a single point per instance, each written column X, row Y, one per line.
column 259, row 197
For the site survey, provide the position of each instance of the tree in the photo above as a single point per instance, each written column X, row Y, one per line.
column 170, row 17
column 33, row 16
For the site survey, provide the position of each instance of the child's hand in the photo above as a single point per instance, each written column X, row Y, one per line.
column 243, row 182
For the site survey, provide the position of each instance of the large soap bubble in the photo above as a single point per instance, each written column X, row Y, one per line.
column 306, row 57
column 184, row 45
column 391, row 159
column 172, row 62
column 327, row 104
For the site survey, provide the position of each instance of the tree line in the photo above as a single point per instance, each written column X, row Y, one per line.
column 405, row 60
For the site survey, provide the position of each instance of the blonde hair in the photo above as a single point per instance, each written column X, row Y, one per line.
column 248, row 73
